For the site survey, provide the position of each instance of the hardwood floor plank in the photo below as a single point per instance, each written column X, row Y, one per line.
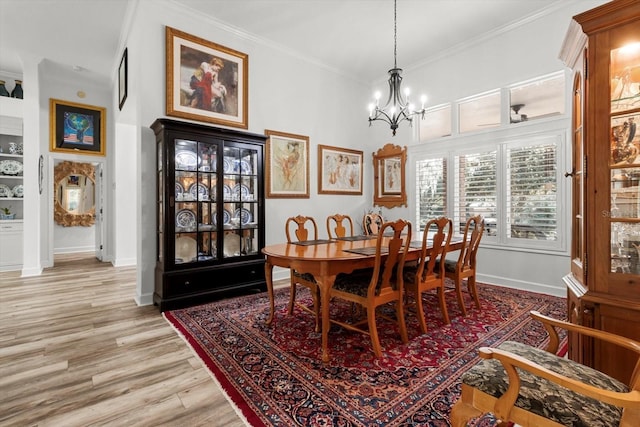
column 75, row 350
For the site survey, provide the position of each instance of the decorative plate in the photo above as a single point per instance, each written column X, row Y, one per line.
column 18, row 190
column 186, row 218
column 226, row 192
column 226, row 217
column 244, row 215
column 186, row 160
column 5, row 191
column 199, row 191
column 186, row 248
column 228, row 166
column 11, row 167
column 179, row 190
column 241, row 191
column 245, row 167
column 231, row 245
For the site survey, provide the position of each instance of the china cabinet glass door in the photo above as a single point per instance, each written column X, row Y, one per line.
column 624, row 161
column 216, row 200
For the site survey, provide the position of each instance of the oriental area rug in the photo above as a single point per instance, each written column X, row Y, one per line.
column 274, row 375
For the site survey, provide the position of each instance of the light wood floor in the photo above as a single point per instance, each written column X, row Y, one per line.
column 75, row 350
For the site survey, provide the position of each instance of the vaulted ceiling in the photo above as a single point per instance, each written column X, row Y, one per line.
column 353, row 37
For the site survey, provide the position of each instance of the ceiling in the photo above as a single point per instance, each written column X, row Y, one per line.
column 353, row 37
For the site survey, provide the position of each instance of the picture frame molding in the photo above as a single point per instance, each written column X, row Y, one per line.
column 57, row 143
column 123, row 78
column 207, row 49
column 322, row 172
column 274, row 136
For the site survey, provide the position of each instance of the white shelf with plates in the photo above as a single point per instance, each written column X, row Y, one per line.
column 11, row 184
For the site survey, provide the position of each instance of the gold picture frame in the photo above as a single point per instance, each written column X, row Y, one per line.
column 77, row 128
column 339, row 170
column 287, row 160
column 206, row 81
column 389, row 186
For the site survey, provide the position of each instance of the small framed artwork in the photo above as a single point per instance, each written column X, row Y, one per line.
column 625, row 140
column 391, row 175
column 77, row 128
column 206, row 81
column 122, row 79
column 287, row 165
column 339, row 170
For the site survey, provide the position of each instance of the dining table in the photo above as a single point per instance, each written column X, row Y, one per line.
column 325, row 259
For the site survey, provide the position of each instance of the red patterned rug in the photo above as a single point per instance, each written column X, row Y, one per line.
column 275, row 377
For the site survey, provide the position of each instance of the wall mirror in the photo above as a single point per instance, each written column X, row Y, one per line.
column 74, row 194
column 389, row 176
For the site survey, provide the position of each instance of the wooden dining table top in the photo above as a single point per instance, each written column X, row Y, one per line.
column 327, row 258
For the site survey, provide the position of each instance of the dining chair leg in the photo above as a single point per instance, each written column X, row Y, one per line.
column 420, row 312
column 373, row 332
column 443, row 306
column 473, row 289
column 458, row 281
column 315, row 295
column 292, row 294
column 403, row 325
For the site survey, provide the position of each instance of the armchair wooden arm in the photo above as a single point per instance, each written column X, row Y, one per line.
column 566, row 381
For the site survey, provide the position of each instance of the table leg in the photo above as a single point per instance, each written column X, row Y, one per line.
column 325, row 286
column 268, row 273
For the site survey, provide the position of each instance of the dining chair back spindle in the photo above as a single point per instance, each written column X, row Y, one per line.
column 382, row 284
column 302, row 226
column 337, row 226
column 429, row 272
column 465, row 266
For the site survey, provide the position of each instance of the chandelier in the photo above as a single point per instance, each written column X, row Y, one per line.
column 398, row 107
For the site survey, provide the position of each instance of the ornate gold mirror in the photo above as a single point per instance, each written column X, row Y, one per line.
column 74, row 194
column 389, row 176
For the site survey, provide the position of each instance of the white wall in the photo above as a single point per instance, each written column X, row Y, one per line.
column 285, row 93
column 288, row 94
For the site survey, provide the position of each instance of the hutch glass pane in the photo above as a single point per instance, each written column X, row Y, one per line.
column 625, row 77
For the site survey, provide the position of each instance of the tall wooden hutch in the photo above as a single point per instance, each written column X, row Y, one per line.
column 602, row 47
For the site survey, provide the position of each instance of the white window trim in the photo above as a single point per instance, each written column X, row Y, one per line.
column 498, row 139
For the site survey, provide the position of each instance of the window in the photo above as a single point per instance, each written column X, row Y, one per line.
column 513, row 183
column 531, row 192
column 480, row 113
column 431, row 189
column 475, row 182
column 436, row 123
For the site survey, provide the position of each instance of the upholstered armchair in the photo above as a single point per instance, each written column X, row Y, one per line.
column 536, row 388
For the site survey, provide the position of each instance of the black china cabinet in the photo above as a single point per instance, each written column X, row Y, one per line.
column 210, row 213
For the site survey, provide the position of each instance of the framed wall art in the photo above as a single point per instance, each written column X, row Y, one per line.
column 77, row 128
column 391, row 171
column 206, row 81
column 339, row 170
column 287, row 165
column 122, row 79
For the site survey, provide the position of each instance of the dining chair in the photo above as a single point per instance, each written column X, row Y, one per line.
column 371, row 223
column 465, row 266
column 429, row 272
column 382, row 284
column 301, row 226
column 336, row 226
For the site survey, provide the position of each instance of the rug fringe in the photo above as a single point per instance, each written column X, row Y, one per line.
column 225, row 393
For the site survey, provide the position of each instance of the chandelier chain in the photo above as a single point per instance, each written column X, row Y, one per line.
column 395, row 34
